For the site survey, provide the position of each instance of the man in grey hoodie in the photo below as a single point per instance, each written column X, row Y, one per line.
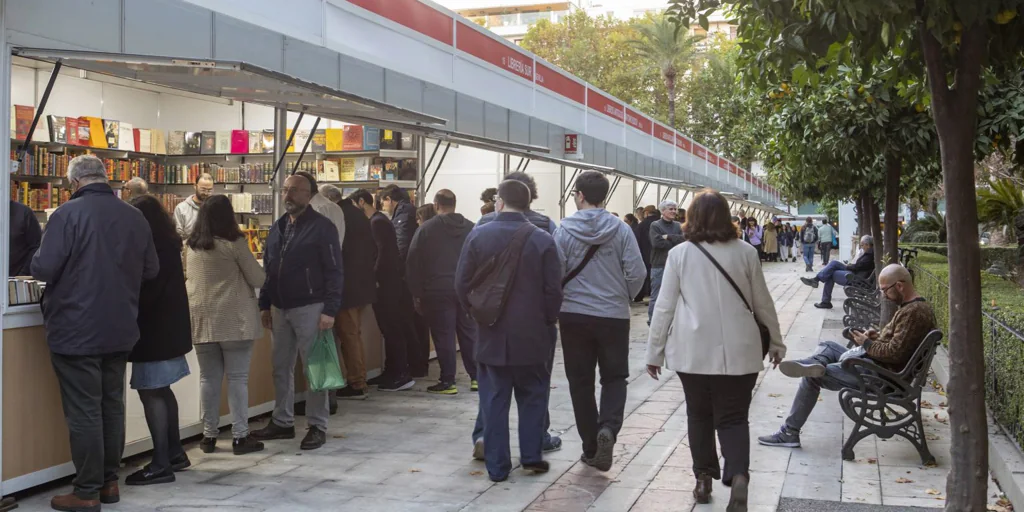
column 594, row 318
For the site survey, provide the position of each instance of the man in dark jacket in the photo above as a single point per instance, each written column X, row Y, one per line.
column 665, row 234
column 24, row 239
column 299, row 299
column 514, row 352
column 551, row 443
column 93, row 257
column 395, row 201
column 643, row 241
column 430, row 271
column 393, row 308
column 838, row 272
column 358, row 255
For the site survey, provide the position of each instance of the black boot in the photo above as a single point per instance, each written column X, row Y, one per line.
column 273, row 431
column 244, row 445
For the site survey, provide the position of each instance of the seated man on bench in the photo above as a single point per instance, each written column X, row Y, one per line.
column 839, row 272
column 892, row 349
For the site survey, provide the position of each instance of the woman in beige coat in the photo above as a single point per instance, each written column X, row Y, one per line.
column 702, row 330
column 221, row 281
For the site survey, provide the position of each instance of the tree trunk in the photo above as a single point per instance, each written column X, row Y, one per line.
column 875, row 225
column 862, row 216
column 914, row 212
column 955, row 113
column 893, row 165
column 670, row 89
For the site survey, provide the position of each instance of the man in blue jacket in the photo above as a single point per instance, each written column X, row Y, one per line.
column 94, row 255
column 513, row 352
column 595, row 314
column 302, row 293
column 551, row 443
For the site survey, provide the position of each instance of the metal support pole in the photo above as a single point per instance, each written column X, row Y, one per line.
column 277, row 181
column 567, row 186
column 683, row 200
column 611, row 190
column 527, row 164
column 668, row 190
column 561, row 186
column 423, row 175
column 304, row 146
column 438, row 168
column 278, row 137
column 640, row 197
column 519, row 166
column 39, row 111
column 506, row 165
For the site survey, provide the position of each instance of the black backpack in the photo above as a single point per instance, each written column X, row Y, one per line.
column 490, row 286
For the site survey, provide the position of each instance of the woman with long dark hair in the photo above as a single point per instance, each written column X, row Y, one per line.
column 158, row 359
column 703, row 330
column 222, row 278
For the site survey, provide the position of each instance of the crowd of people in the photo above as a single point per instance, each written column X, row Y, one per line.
column 126, row 281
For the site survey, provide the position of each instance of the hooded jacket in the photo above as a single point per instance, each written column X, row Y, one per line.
column 185, row 216
column 434, row 255
column 605, row 287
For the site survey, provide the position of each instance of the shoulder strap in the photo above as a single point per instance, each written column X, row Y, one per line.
column 726, row 275
column 579, row 268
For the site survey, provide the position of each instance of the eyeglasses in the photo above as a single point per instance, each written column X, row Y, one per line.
column 886, row 289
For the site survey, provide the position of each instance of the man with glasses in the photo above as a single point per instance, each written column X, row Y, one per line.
column 187, row 211
column 839, row 272
column 891, row 348
column 299, row 299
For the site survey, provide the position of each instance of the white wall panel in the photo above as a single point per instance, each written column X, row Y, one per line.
column 548, row 178
column 555, row 109
column 23, row 86
column 604, row 128
column 486, row 82
column 638, row 141
column 621, row 200
column 140, row 108
column 182, row 26
column 180, row 113
column 466, row 172
column 300, row 19
column 663, row 151
column 73, row 97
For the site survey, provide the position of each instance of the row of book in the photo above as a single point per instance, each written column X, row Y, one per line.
column 40, row 198
column 24, row 290
column 245, row 202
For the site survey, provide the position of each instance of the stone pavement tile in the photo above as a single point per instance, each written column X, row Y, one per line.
column 667, row 438
column 433, row 481
column 929, row 502
column 813, row 486
column 642, row 422
column 653, row 455
column 567, row 497
column 769, row 458
column 616, row 499
column 681, row 457
column 557, row 469
column 909, row 482
column 663, row 501
column 350, row 489
column 186, row 503
column 375, row 471
column 637, row 476
column 657, row 408
column 673, row 479
column 506, row 497
column 900, row 452
column 675, row 396
column 381, row 504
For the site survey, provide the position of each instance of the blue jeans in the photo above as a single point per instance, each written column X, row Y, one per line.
column 656, row 275
column 446, row 317
column 835, row 378
column 809, row 255
column 531, row 385
column 833, row 273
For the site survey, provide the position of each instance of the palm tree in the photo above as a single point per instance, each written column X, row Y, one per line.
column 669, row 50
column 999, row 204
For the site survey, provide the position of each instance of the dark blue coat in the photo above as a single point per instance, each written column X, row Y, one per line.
column 309, row 271
column 537, row 219
column 24, row 239
column 522, row 335
column 95, row 252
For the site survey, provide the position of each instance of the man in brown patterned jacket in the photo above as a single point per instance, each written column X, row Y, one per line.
column 892, row 349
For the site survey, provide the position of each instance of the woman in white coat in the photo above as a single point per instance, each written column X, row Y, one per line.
column 703, row 331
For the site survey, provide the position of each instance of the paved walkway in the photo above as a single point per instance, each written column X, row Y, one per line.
column 411, row 451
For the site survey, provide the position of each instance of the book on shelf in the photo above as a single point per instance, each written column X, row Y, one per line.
column 24, row 290
column 371, row 138
column 137, row 139
column 158, row 142
column 376, row 171
column 176, row 143
column 71, row 131
column 353, row 138
column 126, row 137
column 335, row 139
column 23, row 116
column 256, row 141
column 268, row 141
column 193, row 143
column 112, row 132
column 329, row 171
column 58, row 129
column 388, row 139
column 94, row 134
column 299, row 141
column 208, row 143
column 405, row 141
column 223, row 138
column 347, row 169
column 239, row 141
column 144, row 137
column 319, row 144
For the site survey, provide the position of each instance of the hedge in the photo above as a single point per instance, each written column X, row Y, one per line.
column 1003, row 308
column 989, row 253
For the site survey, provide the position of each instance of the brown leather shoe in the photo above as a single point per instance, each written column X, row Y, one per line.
column 72, row 503
column 110, row 493
column 702, row 490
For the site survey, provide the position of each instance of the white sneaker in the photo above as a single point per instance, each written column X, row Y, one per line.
column 798, row 369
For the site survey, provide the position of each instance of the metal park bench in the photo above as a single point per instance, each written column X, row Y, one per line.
column 861, row 312
column 887, row 404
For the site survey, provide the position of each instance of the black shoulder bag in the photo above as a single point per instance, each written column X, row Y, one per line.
column 579, row 268
column 766, row 337
column 492, row 282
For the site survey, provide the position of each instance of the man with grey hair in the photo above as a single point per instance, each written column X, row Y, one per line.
column 666, row 233
column 133, row 188
column 839, row 272
column 187, row 211
column 94, row 255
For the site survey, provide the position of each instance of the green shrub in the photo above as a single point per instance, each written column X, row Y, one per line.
column 920, row 237
column 1003, row 307
column 989, row 253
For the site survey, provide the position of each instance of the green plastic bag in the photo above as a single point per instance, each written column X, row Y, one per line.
column 323, row 371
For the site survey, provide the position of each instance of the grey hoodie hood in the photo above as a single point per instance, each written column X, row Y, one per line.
column 592, row 227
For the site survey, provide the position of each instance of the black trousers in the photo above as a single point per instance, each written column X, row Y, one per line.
column 92, row 394
column 722, row 403
column 590, row 342
column 396, row 320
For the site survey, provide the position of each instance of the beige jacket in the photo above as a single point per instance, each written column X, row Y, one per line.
column 700, row 324
column 221, row 284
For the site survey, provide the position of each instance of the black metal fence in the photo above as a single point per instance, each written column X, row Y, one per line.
column 1004, row 354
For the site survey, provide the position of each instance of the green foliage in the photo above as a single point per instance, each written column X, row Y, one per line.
column 928, row 223
column 999, row 204
column 920, row 237
column 989, row 253
column 661, row 46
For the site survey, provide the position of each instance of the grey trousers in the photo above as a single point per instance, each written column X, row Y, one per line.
column 216, row 360
column 836, row 378
column 294, row 332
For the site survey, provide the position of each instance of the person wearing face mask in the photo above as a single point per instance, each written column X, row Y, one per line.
column 94, row 256
column 299, row 298
column 891, row 348
column 187, row 211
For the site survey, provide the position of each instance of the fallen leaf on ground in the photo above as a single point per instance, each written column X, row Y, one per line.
column 773, row 395
column 925, row 404
column 931, row 437
column 476, row 473
column 902, row 480
column 414, row 470
column 941, row 419
column 872, row 460
column 943, row 404
column 339, row 436
column 932, row 492
column 820, row 399
column 931, row 465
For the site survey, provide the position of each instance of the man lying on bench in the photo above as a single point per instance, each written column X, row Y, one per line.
column 892, row 349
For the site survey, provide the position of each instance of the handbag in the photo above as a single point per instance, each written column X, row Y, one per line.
column 766, row 336
column 323, row 370
column 579, row 268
